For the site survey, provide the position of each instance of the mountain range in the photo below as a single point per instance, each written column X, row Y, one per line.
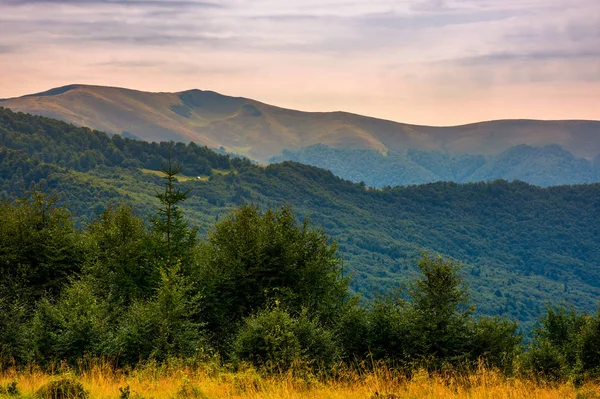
column 358, row 148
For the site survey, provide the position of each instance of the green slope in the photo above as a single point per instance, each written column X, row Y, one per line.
column 522, row 245
column 544, row 166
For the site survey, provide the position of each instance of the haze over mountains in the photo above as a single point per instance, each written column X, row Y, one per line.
column 355, row 147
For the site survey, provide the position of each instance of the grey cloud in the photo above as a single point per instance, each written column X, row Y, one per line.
column 8, row 49
column 130, row 3
column 432, row 20
column 506, row 67
column 292, row 18
column 497, row 58
column 428, row 5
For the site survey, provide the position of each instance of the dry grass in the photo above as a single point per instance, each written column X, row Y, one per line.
column 179, row 177
column 152, row 381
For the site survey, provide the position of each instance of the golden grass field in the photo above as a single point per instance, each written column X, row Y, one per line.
column 192, row 382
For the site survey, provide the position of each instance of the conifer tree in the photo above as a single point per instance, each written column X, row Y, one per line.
column 174, row 238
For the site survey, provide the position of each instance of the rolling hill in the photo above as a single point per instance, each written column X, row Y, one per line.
column 261, row 131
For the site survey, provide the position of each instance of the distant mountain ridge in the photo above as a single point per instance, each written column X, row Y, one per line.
column 544, row 166
column 261, row 131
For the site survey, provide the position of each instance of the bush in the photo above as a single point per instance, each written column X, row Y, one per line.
column 547, row 361
column 252, row 259
column 352, row 332
column 275, row 340
column 62, row 388
column 557, row 344
column 13, row 333
column 496, row 342
column 317, row 344
column 433, row 324
column 590, row 346
column 389, row 334
column 76, row 324
column 161, row 327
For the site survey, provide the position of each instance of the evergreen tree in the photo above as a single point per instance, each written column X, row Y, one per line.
column 254, row 259
column 439, row 310
column 174, row 239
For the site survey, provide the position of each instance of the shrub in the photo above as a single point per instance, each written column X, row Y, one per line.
column 62, row 388
column 161, row 327
column 268, row 338
column 556, row 349
column 275, row 340
column 389, row 335
column 352, row 332
column 546, row 360
column 496, row 342
column 252, row 259
column 77, row 323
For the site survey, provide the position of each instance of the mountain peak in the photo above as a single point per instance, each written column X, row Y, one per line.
column 55, row 91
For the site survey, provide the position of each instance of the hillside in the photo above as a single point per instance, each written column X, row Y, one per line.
column 522, row 245
column 548, row 165
column 261, row 131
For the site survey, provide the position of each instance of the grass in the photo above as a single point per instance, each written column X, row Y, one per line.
column 180, row 381
column 179, row 177
column 183, row 178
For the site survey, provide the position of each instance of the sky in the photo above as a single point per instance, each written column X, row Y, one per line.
column 435, row 62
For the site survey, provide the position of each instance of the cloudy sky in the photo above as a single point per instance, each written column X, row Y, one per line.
column 421, row 61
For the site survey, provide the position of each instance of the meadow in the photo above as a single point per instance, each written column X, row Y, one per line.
column 102, row 380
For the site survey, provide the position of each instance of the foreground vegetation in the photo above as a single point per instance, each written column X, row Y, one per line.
column 178, row 381
column 263, row 291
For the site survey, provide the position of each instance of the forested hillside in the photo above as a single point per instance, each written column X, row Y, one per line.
column 543, row 166
column 521, row 245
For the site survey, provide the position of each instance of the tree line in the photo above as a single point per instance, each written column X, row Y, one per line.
column 79, row 148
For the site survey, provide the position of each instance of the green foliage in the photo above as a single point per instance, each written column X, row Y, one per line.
column 590, row 346
column 13, row 328
column 434, row 324
column 496, row 341
column 39, row 247
column 565, row 345
column 267, row 288
column 556, row 346
column 544, row 166
column 352, row 332
column 77, row 323
column 51, row 141
column 389, row 334
column 274, row 339
column 439, row 310
column 119, row 256
column 521, row 245
column 174, row 238
column 162, row 326
column 252, row 259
